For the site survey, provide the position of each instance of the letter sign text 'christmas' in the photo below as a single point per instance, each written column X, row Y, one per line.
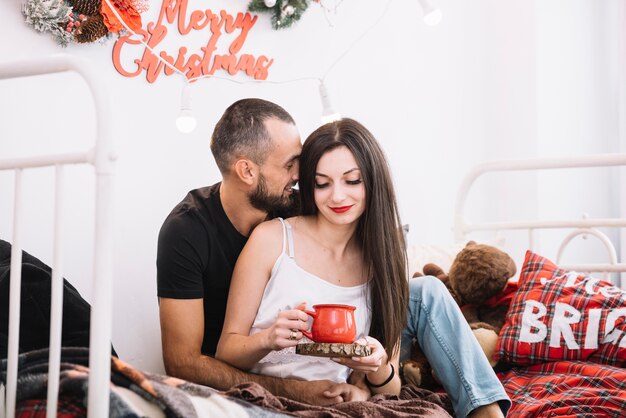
column 204, row 63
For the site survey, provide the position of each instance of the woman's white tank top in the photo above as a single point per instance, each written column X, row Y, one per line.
column 290, row 285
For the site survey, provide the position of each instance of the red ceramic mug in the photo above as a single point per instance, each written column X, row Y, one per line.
column 332, row 323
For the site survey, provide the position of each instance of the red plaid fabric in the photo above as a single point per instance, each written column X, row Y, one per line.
column 559, row 315
column 566, row 389
column 36, row 408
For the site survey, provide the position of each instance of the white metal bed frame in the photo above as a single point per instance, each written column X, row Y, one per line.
column 585, row 226
column 102, row 157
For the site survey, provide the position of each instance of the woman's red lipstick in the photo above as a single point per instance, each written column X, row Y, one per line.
column 341, row 209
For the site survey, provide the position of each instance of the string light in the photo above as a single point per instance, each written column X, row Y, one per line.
column 432, row 16
column 328, row 113
column 328, row 10
column 186, row 122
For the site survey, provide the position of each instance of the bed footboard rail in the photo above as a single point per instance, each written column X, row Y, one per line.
column 585, row 226
column 102, row 157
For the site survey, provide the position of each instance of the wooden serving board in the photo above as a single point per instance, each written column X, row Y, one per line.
column 333, row 350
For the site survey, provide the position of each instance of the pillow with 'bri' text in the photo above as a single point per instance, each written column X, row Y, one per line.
column 561, row 315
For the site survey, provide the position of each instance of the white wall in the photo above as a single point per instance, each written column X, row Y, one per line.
column 554, row 91
column 482, row 85
column 573, row 114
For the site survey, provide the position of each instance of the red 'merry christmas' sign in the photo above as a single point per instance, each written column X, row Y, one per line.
column 206, row 61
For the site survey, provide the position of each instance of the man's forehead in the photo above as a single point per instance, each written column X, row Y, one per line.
column 275, row 126
column 284, row 136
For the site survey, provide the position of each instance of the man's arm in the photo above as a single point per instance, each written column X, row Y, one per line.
column 182, row 331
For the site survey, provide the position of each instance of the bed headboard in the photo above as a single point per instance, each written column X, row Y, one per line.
column 101, row 157
column 576, row 227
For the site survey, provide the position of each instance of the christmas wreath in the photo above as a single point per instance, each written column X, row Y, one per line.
column 82, row 21
column 284, row 12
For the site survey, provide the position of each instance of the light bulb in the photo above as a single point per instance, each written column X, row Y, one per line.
column 330, row 118
column 186, row 121
column 431, row 16
column 328, row 113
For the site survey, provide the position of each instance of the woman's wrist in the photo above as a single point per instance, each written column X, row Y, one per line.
column 380, row 377
column 264, row 340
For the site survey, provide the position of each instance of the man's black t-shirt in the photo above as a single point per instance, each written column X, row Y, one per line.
column 197, row 250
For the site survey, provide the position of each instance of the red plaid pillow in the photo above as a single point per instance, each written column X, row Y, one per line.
column 561, row 315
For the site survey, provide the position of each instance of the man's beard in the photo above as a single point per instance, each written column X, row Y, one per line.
column 262, row 200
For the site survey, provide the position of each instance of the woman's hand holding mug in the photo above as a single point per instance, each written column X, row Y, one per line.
column 287, row 329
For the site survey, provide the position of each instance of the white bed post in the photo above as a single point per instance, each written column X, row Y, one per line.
column 101, row 312
column 14, row 298
column 102, row 306
column 56, row 303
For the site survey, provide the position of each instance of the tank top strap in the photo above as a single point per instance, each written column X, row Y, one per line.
column 291, row 252
column 284, row 224
column 287, row 238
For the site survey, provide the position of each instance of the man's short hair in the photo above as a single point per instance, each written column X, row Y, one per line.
column 241, row 132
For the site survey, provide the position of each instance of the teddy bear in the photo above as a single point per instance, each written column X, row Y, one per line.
column 479, row 281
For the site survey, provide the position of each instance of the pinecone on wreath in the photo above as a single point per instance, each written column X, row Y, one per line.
column 91, row 29
column 86, row 7
column 82, row 21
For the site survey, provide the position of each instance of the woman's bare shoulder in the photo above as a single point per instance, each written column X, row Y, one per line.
column 264, row 245
column 298, row 222
column 271, row 227
column 268, row 234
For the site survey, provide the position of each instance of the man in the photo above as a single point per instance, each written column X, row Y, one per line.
column 256, row 146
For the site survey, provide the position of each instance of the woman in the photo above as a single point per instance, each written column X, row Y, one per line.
column 346, row 247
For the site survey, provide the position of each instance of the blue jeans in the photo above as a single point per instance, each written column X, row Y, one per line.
column 438, row 325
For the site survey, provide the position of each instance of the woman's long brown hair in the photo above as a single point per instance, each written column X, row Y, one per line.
column 379, row 230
